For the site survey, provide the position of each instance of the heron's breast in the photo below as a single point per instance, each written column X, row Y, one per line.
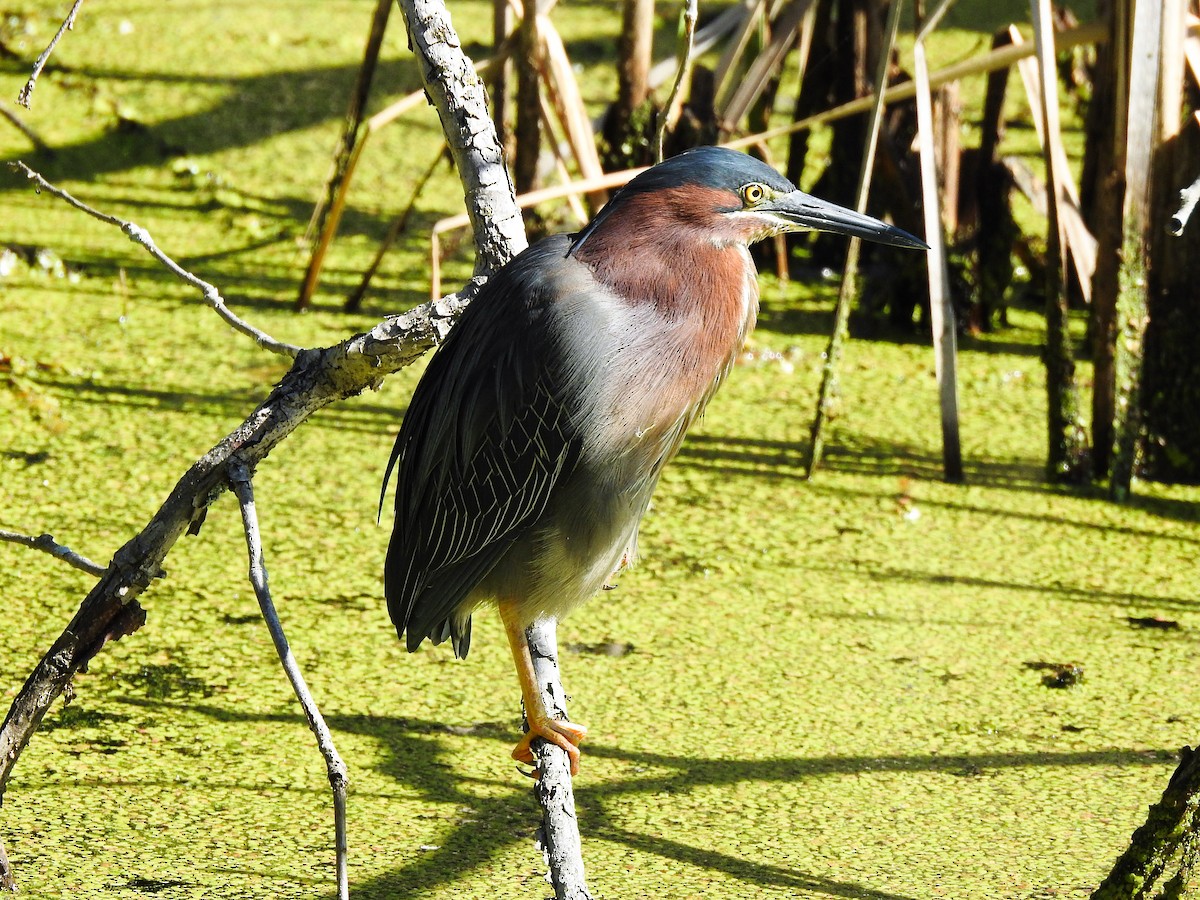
column 663, row 362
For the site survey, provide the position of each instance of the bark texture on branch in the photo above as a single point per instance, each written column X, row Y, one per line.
column 1163, row 858
column 559, row 835
column 458, row 95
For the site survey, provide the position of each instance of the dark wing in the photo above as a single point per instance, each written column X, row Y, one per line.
column 485, row 439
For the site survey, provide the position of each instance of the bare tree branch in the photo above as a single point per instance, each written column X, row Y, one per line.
column 47, row 544
column 239, row 476
column 457, row 93
column 688, row 16
column 40, row 62
column 140, row 235
column 110, row 610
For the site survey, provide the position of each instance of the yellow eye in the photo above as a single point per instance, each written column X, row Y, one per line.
column 754, row 193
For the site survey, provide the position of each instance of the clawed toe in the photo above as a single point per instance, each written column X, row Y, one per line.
column 566, row 735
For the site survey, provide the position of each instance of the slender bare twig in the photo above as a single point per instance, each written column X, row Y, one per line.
column 40, row 63
column 140, row 235
column 849, row 286
column 47, row 544
column 239, row 477
column 1187, row 202
column 687, row 45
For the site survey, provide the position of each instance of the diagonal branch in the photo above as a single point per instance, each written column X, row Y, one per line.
column 47, row 544
column 40, row 62
column 140, row 235
column 110, row 610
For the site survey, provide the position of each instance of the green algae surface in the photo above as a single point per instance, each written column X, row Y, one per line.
column 819, row 689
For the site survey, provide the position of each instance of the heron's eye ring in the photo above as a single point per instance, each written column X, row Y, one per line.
column 754, row 193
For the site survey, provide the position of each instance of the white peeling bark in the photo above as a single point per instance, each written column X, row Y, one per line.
column 457, row 92
column 559, row 834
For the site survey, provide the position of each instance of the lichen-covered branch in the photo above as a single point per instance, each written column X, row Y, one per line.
column 1163, row 853
column 47, row 544
column 457, row 92
column 316, row 379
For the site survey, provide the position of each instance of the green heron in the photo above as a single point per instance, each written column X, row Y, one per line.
column 538, row 432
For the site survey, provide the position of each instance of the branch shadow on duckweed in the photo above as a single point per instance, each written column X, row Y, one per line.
column 366, row 418
column 414, row 752
column 736, row 455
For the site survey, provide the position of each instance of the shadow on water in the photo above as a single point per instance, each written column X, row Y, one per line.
column 855, row 455
column 366, row 418
column 1058, row 591
column 735, row 455
column 251, row 109
column 414, row 757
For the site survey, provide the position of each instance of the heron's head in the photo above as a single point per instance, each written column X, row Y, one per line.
column 734, row 198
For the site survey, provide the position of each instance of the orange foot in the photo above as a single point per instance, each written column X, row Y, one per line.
column 566, row 735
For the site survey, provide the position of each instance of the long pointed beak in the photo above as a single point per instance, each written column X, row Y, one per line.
column 800, row 211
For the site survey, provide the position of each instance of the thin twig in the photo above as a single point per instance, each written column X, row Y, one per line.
column 239, row 477
column 849, row 286
column 1187, row 202
column 687, row 44
column 47, row 544
column 140, row 235
column 40, row 63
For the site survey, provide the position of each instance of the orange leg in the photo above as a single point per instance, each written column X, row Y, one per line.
column 541, row 723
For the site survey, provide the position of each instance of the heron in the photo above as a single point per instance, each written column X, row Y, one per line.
column 534, row 439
